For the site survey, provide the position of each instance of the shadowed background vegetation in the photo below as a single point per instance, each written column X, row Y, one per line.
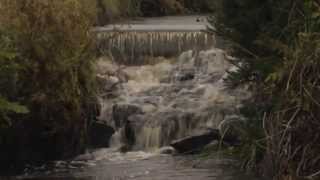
column 277, row 44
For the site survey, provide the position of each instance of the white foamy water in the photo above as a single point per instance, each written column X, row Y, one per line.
column 164, row 100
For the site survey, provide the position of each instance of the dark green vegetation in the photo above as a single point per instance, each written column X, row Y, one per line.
column 278, row 48
column 46, row 79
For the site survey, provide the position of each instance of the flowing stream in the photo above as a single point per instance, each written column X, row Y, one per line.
column 154, row 103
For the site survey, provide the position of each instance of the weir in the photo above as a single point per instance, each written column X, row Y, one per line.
column 147, row 106
column 134, row 42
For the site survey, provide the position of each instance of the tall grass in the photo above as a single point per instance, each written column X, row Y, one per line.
column 278, row 44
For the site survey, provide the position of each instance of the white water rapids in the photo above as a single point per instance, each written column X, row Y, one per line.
column 164, row 99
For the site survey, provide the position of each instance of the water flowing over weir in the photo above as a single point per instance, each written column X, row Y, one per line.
column 149, row 105
column 134, row 42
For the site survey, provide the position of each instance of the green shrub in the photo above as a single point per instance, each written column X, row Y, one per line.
column 277, row 45
column 46, row 65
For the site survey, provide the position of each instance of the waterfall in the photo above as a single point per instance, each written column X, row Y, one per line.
column 156, row 100
column 135, row 46
column 171, row 100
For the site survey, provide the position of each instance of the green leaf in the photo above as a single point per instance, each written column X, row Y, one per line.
column 7, row 55
column 12, row 107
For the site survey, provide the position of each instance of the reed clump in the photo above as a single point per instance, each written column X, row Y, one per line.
column 278, row 48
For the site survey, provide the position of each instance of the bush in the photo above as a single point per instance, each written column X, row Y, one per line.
column 111, row 10
column 277, row 45
column 51, row 72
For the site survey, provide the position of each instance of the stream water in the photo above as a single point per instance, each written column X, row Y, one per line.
column 110, row 165
column 168, row 99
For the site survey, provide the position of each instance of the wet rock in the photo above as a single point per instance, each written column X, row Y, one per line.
column 129, row 134
column 214, row 144
column 121, row 113
column 214, row 60
column 167, row 150
column 84, row 157
column 230, row 131
column 125, row 148
column 196, row 142
column 109, row 86
column 100, row 134
column 148, row 108
column 106, row 81
column 186, row 59
column 137, row 119
column 186, row 75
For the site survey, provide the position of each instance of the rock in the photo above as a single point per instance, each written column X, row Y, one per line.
column 167, row 150
column 125, row 148
column 186, row 77
column 100, row 134
column 121, row 113
column 214, row 60
column 107, row 82
column 212, row 145
column 195, row 142
column 129, row 134
column 129, row 131
column 230, row 131
column 148, row 108
column 108, row 86
column 84, row 157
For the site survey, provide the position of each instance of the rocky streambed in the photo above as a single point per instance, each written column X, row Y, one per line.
column 150, row 106
column 182, row 102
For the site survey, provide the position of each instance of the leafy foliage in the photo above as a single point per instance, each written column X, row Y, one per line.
column 46, row 64
column 277, row 45
column 8, row 78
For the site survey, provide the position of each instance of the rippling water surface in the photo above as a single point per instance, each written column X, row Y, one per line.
column 106, row 164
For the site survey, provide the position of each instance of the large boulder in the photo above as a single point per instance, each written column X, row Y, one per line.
column 196, row 142
column 121, row 113
column 100, row 134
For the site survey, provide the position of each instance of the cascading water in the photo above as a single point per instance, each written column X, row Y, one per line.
column 133, row 45
column 151, row 104
column 171, row 100
column 138, row 41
